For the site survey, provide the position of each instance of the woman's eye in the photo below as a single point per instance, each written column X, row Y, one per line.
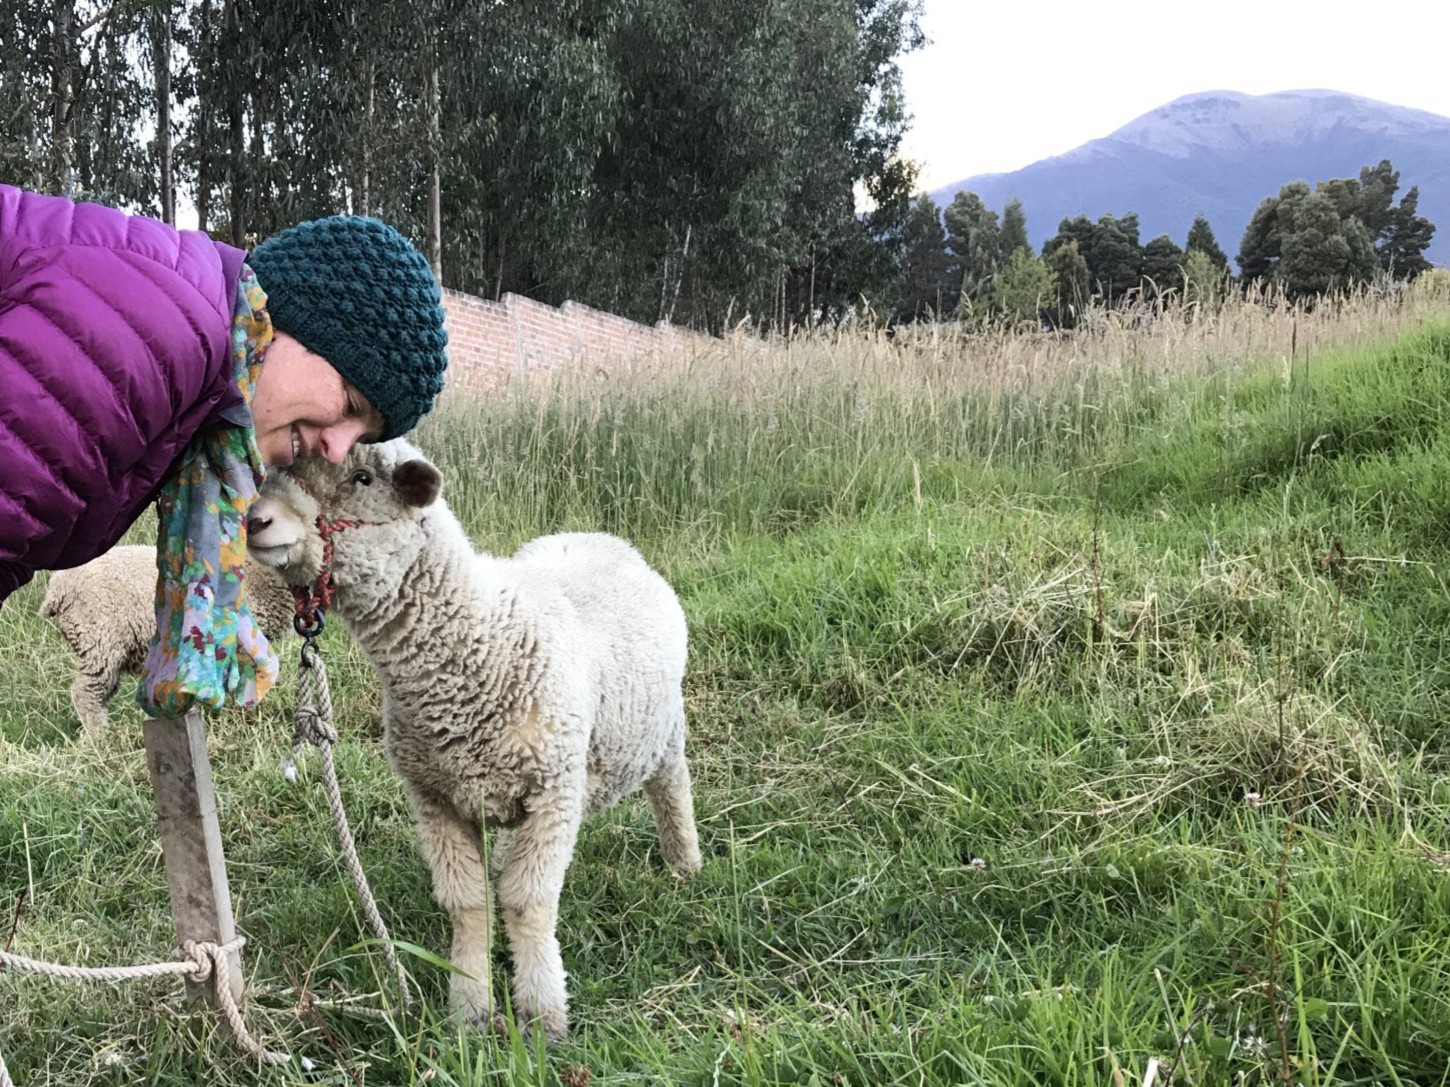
column 362, row 477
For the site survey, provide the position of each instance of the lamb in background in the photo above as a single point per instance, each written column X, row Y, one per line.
column 519, row 693
column 106, row 609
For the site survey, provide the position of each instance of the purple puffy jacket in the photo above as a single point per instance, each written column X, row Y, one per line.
column 114, row 352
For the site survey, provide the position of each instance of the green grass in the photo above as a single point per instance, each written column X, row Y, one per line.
column 1040, row 732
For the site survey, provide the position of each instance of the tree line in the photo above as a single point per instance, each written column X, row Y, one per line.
column 962, row 263
column 679, row 160
column 685, row 160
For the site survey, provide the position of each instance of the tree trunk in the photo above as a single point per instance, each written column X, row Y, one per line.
column 677, row 267
column 435, row 180
column 365, row 195
column 61, row 87
column 206, row 57
column 498, row 280
column 259, row 147
column 237, row 158
column 236, row 169
column 161, row 54
column 202, row 126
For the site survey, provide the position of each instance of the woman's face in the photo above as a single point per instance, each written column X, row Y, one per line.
column 303, row 407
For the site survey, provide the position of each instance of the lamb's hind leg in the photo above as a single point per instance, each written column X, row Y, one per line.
column 503, row 840
column 672, row 801
column 453, row 848
column 92, row 688
column 538, row 855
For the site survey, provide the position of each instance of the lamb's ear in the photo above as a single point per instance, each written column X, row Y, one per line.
column 417, row 483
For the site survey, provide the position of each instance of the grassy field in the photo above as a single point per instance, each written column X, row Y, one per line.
column 1064, row 711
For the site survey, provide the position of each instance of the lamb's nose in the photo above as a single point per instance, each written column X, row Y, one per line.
column 258, row 524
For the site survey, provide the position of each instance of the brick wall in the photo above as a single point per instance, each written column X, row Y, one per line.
column 491, row 344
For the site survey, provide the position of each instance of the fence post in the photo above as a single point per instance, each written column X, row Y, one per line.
column 191, row 840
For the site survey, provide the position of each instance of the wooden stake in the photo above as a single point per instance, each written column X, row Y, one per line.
column 191, row 841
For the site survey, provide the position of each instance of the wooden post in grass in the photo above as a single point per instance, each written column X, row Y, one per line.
column 191, row 841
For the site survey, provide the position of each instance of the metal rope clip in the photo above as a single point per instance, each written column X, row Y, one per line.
column 309, row 626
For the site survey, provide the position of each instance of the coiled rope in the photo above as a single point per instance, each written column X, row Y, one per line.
column 203, row 960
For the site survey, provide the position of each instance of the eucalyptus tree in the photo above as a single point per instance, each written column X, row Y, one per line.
column 662, row 158
column 1110, row 249
column 745, row 133
column 1309, row 241
column 974, row 237
column 845, row 259
column 1013, row 235
column 1200, row 237
column 1026, row 289
column 532, row 98
column 24, row 95
column 1163, row 265
column 70, row 99
column 925, row 266
column 1073, row 282
column 160, row 28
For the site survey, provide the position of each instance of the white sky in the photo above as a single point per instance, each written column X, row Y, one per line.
column 1001, row 85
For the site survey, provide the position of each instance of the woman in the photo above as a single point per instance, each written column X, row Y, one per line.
column 139, row 363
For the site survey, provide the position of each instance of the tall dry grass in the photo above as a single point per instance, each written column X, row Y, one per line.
column 1161, row 338
column 747, row 436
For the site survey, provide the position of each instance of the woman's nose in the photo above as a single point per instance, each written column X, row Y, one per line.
column 332, row 450
column 337, row 441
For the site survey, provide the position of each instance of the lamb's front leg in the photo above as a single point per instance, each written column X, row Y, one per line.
column 529, row 887
column 453, row 849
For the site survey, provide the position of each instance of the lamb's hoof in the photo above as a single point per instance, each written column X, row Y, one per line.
column 483, row 1020
column 552, row 1031
column 553, row 1025
column 472, row 1005
column 92, row 731
column 685, row 870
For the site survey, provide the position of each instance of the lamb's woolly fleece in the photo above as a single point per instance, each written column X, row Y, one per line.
column 106, row 609
column 520, row 693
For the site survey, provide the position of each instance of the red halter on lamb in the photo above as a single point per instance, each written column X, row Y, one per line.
column 312, row 601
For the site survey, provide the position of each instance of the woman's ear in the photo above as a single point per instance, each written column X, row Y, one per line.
column 417, row 483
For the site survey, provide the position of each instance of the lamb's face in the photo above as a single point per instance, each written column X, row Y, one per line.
column 389, row 483
column 282, row 530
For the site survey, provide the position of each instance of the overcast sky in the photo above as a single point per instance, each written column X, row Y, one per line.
column 1002, row 85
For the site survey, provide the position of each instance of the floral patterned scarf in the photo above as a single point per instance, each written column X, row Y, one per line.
column 208, row 649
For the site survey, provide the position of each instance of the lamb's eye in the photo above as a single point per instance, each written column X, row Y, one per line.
column 363, row 476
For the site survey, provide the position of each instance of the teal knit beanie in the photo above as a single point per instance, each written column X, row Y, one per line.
column 357, row 292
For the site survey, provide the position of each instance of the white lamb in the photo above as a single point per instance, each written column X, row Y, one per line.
column 106, row 609
column 519, row 693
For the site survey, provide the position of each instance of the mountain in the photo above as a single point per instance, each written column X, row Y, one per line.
column 1219, row 154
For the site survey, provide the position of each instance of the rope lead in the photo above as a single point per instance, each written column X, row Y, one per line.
column 313, row 725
